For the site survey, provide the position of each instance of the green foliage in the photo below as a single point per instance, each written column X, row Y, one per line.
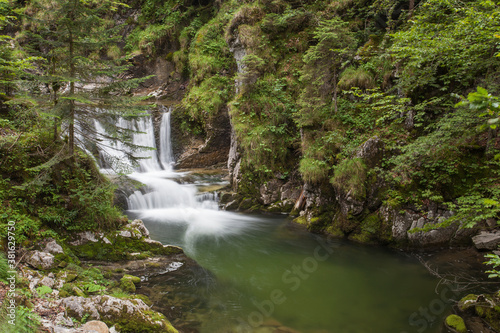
column 438, row 161
column 480, row 203
column 262, row 122
column 313, row 170
column 209, row 53
column 350, row 177
column 4, row 268
column 206, row 100
column 26, row 320
column 41, row 189
column 323, row 63
column 494, row 260
column 488, row 106
column 448, row 44
column 252, row 69
column 356, row 77
column 42, row 290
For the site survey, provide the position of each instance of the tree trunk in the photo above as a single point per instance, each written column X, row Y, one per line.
column 335, row 90
column 412, row 6
column 71, row 93
column 55, row 88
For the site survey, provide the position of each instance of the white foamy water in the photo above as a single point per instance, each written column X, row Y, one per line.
column 165, row 200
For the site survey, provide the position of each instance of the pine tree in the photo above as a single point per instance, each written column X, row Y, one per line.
column 78, row 40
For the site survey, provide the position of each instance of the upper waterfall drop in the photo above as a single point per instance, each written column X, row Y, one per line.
column 166, row 153
column 113, row 153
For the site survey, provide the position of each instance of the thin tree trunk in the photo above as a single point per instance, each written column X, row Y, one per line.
column 412, row 6
column 71, row 92
column 55, row 89
column 335, row 90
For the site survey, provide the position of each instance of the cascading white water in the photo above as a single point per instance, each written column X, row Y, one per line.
column 166, row 201
column 113, row 153
column 166, row 153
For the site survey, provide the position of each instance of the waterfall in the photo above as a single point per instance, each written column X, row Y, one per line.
column 166, row 154
column 113, row 153
column 163, row 198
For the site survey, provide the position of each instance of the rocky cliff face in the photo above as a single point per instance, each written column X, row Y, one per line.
column 365, row 218
column 204, row 151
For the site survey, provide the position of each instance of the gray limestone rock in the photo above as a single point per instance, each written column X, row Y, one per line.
column 139, row 225
column 46, row 281
column 487, row 240
column 83, row 238
column 40, row 260
column 53, row 247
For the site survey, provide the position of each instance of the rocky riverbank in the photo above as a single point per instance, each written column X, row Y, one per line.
column 87, row 281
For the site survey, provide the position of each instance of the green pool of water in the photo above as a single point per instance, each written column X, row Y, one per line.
column 264, row 272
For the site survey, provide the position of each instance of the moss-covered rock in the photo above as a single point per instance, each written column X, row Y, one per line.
column 301, row 220
column 246, row 204
column 121, row 245
column 134, row 279
column 128, row 283
column 456, row 323
column 128, row 315
column 128, row 286
column 467, row 302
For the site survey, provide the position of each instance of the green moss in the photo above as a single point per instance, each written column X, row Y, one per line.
column 78, row 292
column 334, row 231
column 301, row 220
column 151, row 322
column 144, row 298
column 134, row 279
column 360, row 238
column 62, row 264
column 127, row 285
column 457, row 323
column 71, row 277
column 246, row 204
column 373, row 230
column 121, row 249
column 467, row 302
column 350, row 176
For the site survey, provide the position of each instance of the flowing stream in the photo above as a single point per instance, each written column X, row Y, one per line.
column 265, row 274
